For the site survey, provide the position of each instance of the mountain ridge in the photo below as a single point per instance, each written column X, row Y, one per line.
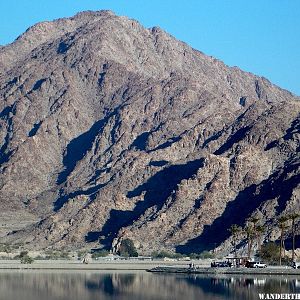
column 139, row 129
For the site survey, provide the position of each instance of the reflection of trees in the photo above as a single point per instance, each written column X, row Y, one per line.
column 90, row 286
column 122, row 286
column 116, row 283
column 245, row 287
column 57, row 285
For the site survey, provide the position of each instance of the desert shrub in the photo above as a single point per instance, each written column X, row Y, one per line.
column 5, row 248
column 194, row 255
column 202, row 255
column 101, row 253
column 26, row 259
column 81, row 254
column 40, row 257
column 206, row 255
column 51, row 254
column 23, row 253
column 17, row 246
column 163, row 253
column 64, row 255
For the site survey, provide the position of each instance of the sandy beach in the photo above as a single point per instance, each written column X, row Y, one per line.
column 94, row 265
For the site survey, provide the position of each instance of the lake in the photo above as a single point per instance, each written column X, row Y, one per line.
column 91, row 285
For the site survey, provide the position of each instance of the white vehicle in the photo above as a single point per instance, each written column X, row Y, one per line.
column 255, row 264
column 259, row 265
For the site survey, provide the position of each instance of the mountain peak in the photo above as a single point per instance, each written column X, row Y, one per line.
column 111, row 131
column 92, row 14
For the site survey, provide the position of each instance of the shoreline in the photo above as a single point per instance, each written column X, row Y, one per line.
column 94, row 265
column 228, row 271
column 157, row 266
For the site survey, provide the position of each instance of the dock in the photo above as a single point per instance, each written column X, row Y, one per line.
column 236, row 271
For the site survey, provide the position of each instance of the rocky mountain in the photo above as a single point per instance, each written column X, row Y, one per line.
column 111, row 131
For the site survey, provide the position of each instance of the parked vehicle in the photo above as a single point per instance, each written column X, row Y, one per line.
column 221, row 264
column 296, row 265
column 255, row 264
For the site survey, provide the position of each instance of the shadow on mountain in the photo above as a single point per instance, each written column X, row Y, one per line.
column 92, row 236
column 5, row 114
column 38, row 84
column 271, row 145
column 278, row 185
column 97, row 174
column 158, row 163
column 295, row 128
column 79, row 146
column 292, row 131
column 59, row 203
column 140, row 142
column 9, row 83
column 157, row 189
column 166, row 180
column 166, row 144
column 233, row 139
column 213, row 137
column 34, row 129
column 289, row 134
column 63, row 47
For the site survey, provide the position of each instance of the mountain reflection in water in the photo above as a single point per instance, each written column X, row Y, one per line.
column 30, row 285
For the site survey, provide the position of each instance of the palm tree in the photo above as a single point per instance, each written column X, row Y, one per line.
column 260, row 230
column 282, row 225
column 249, row 230
column 251, row 233
column 293, row 217
column 254, row 221
column 235, row 230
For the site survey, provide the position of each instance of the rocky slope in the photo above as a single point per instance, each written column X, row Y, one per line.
column 110, row 130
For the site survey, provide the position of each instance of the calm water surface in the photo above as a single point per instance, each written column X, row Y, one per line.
column 85, row 285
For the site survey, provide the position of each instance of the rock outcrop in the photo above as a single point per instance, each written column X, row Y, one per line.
column 110, row 131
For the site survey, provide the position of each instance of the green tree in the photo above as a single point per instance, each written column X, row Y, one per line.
column 283, row 226
column 25, row 258
column 269, row 252
column 254, row 233
column 293, row 217
column 260, row 230
column 249, row 231
column 23, row 253
column 235, row 231
column 254, row 220
column 127, row 248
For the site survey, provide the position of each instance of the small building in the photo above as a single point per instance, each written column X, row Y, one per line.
column 238, row 261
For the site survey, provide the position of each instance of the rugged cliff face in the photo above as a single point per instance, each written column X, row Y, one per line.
column 110, row 130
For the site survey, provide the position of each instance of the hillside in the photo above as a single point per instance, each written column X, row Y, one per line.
column 110, row 130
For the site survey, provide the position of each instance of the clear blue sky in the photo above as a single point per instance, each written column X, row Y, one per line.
column 259, row 36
